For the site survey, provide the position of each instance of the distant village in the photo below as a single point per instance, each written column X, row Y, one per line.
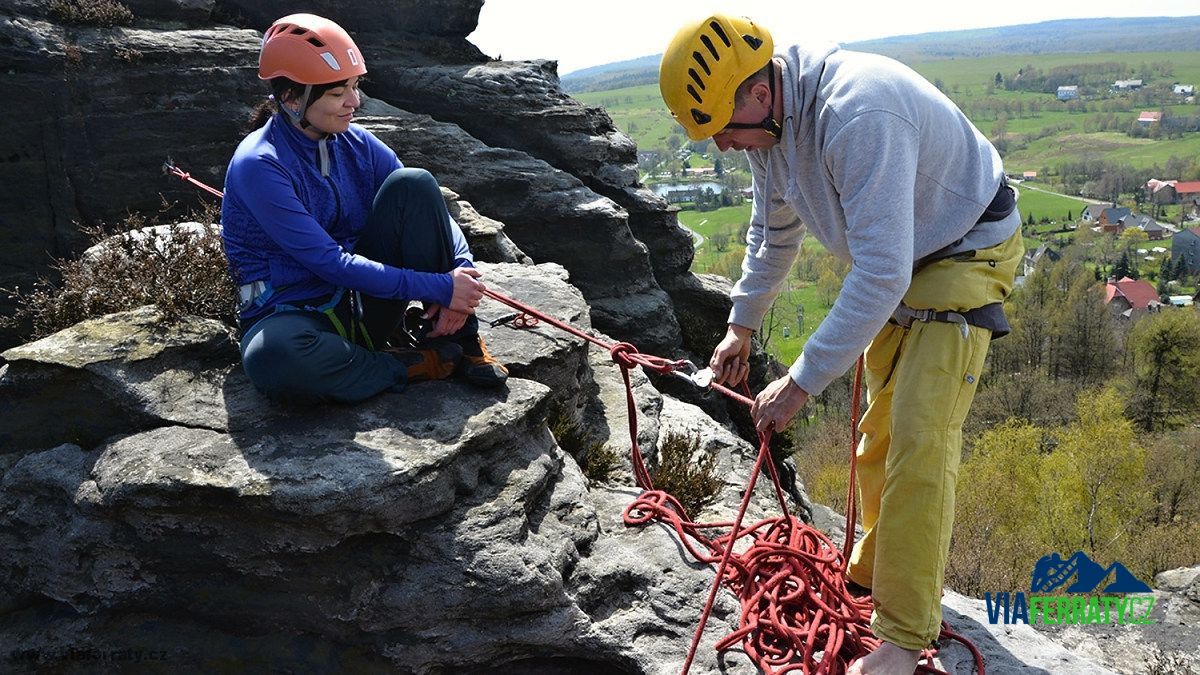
column 1129, row 297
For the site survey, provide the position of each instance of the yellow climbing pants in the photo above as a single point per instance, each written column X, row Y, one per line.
column 920, row 383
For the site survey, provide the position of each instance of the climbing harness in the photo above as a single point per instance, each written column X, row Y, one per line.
column 796, row 612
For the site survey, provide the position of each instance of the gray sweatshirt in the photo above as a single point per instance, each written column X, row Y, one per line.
column 884, row 170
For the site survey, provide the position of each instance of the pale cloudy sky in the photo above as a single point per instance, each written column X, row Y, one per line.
column 586, row 33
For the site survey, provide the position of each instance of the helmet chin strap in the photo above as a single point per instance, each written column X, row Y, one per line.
column 297, row 116
column 768, row 124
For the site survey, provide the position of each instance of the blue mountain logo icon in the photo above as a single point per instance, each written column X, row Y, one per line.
column 1052, row 572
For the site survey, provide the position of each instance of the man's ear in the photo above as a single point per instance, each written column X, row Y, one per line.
column 761, row 93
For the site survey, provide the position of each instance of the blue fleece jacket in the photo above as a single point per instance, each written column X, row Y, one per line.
column 287, row 224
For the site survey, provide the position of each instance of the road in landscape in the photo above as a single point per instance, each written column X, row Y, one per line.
column 697, row 238
column 1090, row 201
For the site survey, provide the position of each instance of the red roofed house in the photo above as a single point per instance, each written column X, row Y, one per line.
column 1149, row 117
column 1188, row 191
column 1131, row 297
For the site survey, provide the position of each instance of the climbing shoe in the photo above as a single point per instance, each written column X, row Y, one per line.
column 478, row 366
column 435, row 362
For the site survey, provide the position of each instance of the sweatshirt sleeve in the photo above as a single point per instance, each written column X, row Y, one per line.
column 772, row 241
column 271, row 199
column 872, row 161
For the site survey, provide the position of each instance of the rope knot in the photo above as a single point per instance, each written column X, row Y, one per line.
column 623, row 354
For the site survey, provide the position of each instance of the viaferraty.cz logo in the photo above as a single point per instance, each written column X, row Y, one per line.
column 1095, row 595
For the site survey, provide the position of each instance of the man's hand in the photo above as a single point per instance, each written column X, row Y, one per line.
column 730, row 361
column 467, row 291
column 777, row 404
column 449, row 321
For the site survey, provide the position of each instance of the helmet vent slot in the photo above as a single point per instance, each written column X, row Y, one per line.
column 700, row 118
column 712, row 50
column 299, row 30
column 703, row 64
column 695, row 95
column 315, row 42
column 754, row 42
column 720, row 32
column 696, row 77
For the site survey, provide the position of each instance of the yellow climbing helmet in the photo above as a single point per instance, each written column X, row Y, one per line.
column 703, row 66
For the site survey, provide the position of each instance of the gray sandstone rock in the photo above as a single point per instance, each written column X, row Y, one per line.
column 549, row 214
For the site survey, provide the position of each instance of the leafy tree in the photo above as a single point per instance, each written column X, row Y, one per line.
column 1090, row 474
column 720, row 241
column 1166, row 351
column 1132, row 236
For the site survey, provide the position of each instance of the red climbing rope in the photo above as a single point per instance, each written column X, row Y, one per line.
column 796, row 613
column 170, row 168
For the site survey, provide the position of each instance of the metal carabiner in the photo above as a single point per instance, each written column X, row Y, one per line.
column 700, row 377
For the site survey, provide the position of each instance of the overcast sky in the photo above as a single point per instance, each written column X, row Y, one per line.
column 586, row 33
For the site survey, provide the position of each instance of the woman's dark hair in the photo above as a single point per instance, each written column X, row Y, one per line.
column 282, row 89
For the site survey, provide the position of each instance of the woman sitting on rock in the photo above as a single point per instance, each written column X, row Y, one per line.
column 329, row 237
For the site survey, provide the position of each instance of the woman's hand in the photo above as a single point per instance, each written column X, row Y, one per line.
column 449, row 321
column 467, row 291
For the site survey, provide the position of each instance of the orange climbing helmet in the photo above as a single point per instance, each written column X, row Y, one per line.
column 309, row 49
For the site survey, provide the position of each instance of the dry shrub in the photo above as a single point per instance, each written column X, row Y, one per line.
column 128, row 54
column 685, row 473
column 822, row 458
column 103, row 13
column 597, row 461
column 73, row 55
column 184, row 274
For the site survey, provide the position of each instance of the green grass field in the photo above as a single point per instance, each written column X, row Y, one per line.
column 1047, row 205
column 977, row 72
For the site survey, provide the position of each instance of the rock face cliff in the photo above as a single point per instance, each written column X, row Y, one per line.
column 107, row 105
column 155, row 509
